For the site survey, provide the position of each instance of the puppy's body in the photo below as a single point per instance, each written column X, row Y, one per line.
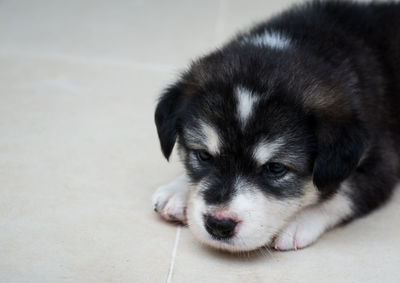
column 289, row 129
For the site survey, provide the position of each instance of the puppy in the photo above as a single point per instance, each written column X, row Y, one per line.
column 288, row 130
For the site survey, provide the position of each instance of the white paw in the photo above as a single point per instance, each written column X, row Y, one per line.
column 300, row 233
column 170, row 200
column 312, row 222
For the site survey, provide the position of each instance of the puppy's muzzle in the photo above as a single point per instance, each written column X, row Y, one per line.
column 220, row 226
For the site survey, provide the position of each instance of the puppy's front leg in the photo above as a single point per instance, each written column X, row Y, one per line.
column 313, row 221
column 170, row 200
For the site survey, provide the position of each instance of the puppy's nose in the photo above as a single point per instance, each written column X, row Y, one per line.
column 220, row 228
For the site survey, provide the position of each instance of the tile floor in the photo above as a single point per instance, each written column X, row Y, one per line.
column 79, row 156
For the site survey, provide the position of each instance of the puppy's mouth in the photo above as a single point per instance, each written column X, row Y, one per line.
column 227, row 230
column 224, row 234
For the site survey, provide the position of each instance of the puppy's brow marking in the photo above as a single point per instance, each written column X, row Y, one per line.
column 272, row 39
column 213, row 141
column 203, row 136
column 263, row 151
column 246, row 101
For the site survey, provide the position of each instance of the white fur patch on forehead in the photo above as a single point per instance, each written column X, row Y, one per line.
column 245, row 104
column 265, row 150
column 211, row 135
column 271, row 39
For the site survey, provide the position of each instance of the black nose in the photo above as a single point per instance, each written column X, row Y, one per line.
column 219, row 228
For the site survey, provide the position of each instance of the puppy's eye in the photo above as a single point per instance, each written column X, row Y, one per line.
column 203, row 155
column 275, row 169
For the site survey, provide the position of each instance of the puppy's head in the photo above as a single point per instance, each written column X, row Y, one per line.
column 260, row 139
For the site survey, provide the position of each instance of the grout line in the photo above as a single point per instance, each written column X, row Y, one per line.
column 171, row 267
column 220, row 24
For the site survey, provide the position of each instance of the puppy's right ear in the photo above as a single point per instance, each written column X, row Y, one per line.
column 167, row 117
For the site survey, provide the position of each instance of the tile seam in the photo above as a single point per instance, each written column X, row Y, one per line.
column 174, row 251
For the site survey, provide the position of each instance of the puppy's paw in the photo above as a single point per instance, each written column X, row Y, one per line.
column 170, row 200
column 312, row 222
column 300, row 233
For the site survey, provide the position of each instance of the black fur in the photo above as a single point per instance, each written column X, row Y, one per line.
column 334, row 94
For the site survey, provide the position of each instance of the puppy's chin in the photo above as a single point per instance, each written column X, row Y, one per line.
column 260, row 217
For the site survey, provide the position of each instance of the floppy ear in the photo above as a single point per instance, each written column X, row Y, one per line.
column 340, row 148
column 167, row 118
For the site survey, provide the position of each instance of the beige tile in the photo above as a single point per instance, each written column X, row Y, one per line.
column 79, row 162
column 158, row 32
column 242, row 15
column 363, row 251
column 79, row 156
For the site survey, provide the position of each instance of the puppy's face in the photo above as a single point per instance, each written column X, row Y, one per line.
column 248, row 156
column 251, row 146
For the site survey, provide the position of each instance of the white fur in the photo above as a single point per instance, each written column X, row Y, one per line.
column 260, row 217
column 264, row 151
column 271, row 39
column 311, row 223
column 170, row 200
column 245, row 104
column 212, row 138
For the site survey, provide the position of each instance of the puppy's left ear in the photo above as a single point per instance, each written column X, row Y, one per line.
column 167, row 117
column 340, row 148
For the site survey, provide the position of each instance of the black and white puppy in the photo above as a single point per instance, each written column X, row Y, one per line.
column 288, row 130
